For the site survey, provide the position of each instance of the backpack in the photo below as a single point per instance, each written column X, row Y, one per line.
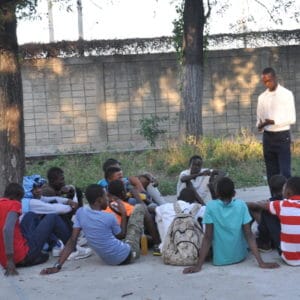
column 184, row 238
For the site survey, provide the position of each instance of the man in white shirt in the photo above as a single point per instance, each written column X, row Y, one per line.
column 275, row 114
column 199, row 180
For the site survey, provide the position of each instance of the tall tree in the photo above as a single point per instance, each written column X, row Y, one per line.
column 195, row 16
column 12, row 152
column 12, row 157
column 194, row 19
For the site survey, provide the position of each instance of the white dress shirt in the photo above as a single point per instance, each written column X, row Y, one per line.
column 277, row 105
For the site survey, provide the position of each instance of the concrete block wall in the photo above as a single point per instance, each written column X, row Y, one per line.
column 94, row 104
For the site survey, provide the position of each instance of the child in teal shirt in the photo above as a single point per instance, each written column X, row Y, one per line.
column 227, row 230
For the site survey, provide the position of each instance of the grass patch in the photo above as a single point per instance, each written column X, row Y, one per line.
column 240, row 156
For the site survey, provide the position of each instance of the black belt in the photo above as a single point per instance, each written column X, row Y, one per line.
column 276, row 132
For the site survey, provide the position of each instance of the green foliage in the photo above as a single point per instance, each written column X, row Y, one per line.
column 178, row 31
column 149, row 128
column 240, row 156
column 26, row 9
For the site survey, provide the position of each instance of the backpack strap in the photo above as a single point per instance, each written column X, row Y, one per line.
column 193, row 212
column 195, row 209
column 177, row 208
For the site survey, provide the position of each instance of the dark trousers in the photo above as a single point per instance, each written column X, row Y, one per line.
column 38, row 230
column 270, row 229
column 277, row 153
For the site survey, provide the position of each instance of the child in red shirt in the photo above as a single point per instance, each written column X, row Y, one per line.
column 21, row 244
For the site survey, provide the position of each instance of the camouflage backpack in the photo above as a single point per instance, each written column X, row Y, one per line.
column 184, row 238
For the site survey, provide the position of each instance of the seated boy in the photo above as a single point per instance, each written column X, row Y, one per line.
column 62, row 206
column 286, row 237
column 44, row 205
column 103, row 231
column 198, row 179
column 22, row 244
column 227, row 227
column 115, row 173
column 144, row 183
column 56, row 186
column 266, row 221
column 131, row 180
column 116, row 190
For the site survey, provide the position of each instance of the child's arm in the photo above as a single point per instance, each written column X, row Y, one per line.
column 69, row 247
column 39, row 207
column 123, row 225
column 206, row 244
column 8, row 236
column 259, row 205
column 198, row 198
column 135, row 182
column 252, row 245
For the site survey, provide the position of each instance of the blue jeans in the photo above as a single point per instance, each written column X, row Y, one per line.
column 37, row 230
column 277, row 153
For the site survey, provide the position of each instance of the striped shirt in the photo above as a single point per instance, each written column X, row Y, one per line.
column 288, row 212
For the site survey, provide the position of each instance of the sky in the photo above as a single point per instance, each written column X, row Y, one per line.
column 111, row 19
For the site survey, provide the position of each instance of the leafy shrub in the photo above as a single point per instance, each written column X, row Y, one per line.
column 150, row 128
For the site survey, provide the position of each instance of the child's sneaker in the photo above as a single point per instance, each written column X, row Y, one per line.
column 80, row 253
column 156, row 250
column 56, row 250
column 81, row 241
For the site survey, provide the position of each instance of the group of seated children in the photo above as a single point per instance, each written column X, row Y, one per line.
column 121, row 209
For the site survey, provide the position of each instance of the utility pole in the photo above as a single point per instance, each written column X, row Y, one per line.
column 80, row 24
column 50, row 22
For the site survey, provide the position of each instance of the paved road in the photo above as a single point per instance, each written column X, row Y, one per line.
column 149, row 278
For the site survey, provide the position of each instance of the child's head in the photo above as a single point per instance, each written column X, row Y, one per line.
column 56, row 178
column 117, row 189
column 291, row 187
column 37, row 190
column 14, row 191
column 110, row 162
column 95, row 193
column 195, row 164
column 187, row 195
column 113, row 173
column 225, row 188
column 276, row 184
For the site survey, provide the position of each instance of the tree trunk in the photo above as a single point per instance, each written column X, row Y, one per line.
column 193, row 67
column 12, row 156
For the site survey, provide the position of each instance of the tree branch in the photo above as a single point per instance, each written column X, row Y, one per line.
column 206, row 16
column 267, row 10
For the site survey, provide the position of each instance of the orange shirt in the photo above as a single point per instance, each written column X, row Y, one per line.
column 128, row 207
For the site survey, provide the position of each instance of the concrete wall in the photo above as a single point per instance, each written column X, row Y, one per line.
column 94, row 104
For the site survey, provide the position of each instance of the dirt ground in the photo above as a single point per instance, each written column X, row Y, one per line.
column 149, row 279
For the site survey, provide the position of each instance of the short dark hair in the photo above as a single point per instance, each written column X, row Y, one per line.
column 109, row 162
column 276, row 184
column 269, row 70
column 53, row 173
column 225, row 188
column 110, row 171
column 116, row 188
column 293, row 184
column 187, row 195
column 93, row 192
column 194, row 157
column 14, row 191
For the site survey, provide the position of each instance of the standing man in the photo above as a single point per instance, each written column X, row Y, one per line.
column 275, row 114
